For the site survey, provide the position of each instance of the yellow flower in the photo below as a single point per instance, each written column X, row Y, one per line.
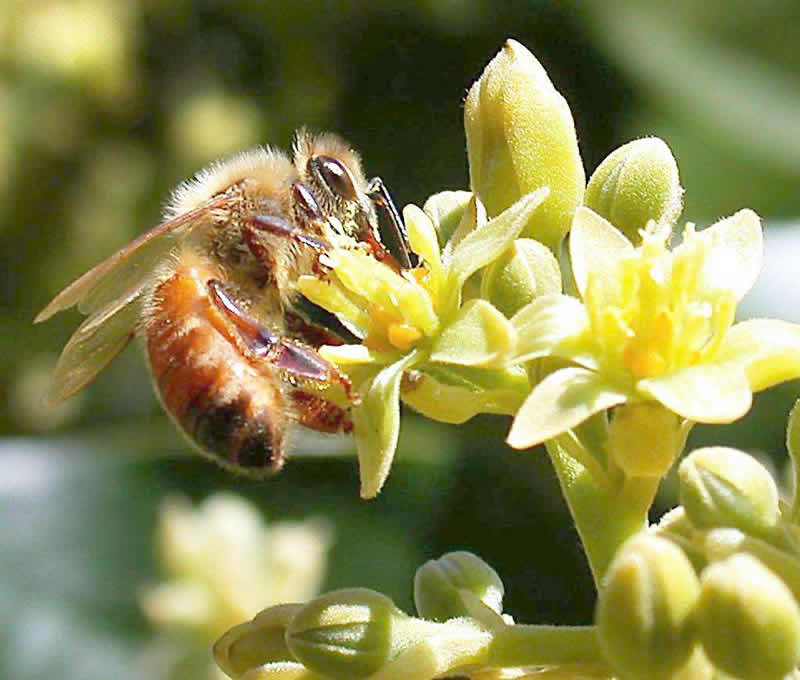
column 448, row 357
column 224, row 564
column 655, row 326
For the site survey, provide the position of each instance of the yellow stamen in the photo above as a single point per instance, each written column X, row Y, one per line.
column 403, row 336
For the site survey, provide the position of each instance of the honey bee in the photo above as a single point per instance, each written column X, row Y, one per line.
column 231, row 345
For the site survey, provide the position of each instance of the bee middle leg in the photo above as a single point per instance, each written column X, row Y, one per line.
column 301, row 364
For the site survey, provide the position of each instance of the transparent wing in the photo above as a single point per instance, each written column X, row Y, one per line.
column 128, row 269
column 110, row 295
column 96, row 342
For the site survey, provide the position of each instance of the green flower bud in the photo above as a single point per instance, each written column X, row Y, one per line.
column 644, row 439
column 635, row 184
column 644, row 609
column 521, row 136
column 350, row 633
column 283, row 671
column 526, row 270
column 448, row 587
column 748, row 621
column 719, row 544
column 256, row 642
column 723, row 487
column 445, row 210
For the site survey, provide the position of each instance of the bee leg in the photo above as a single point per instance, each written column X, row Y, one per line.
column 319, row 414
column 298, row 362
column 397, row 237
column 274, row 224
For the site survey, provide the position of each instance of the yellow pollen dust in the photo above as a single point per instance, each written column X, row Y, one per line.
column 390, row 331
column 403, row 336
column 646, row 353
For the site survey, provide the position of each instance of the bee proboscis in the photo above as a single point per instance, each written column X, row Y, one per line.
column 231, row 346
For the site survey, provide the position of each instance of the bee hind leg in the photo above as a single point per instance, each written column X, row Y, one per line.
column 319, row 413
column 301, row 365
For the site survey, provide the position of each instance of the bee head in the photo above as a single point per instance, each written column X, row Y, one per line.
column 331, row 169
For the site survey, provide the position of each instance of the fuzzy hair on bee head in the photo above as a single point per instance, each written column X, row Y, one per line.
column 269, row 168
column 308, row 144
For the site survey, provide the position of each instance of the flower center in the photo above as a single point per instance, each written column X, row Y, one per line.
column 656, row 313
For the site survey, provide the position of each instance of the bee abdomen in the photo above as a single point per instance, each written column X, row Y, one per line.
column 232, row 412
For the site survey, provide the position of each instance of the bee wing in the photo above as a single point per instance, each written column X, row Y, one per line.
column 96, row 342
column 109, row 294
column 128, row 269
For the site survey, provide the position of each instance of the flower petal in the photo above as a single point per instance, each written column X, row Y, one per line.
column 455, row 405
column 422, row 237
column 711, row 393
column 382, row 286
column 767, row 349
column 551, row 325
column 482, row 246
column 479, row 336
column 347, row 355
column 336, row 301
column 736, row 253
column 595, row 245
column 445, row 210
column 376, row 424
column 562, row 400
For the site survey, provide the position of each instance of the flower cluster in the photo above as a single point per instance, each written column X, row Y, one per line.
column 222, row 564
column 607, row 354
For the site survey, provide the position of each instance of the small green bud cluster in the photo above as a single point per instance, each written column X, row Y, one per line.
column 714, row 586
column 355, row 633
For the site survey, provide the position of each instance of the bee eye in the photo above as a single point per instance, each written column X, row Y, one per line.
column 335, row 175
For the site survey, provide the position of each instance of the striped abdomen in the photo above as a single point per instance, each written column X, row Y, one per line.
column 233, row 412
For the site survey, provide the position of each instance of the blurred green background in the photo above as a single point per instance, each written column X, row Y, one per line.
column 107, row 104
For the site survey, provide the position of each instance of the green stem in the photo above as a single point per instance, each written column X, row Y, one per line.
column 523, row 645
column 605, row 514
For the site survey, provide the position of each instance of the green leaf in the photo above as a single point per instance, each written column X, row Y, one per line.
column 562, row 400
column 712, row 393
column 479, row 336
column 377, row 424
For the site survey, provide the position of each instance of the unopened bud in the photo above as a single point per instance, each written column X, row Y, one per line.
column 644, row 609
column 644, row 439
column 747, row 619
column 349, row 633
column 525, row 271
column 521, row 136
column 446, row 210
column 448, row 587
column 256, row 642
column 635, row 184
column 724, row 487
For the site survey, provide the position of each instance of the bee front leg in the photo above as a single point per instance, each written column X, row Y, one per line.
column 397, row 238
column 300, row 365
